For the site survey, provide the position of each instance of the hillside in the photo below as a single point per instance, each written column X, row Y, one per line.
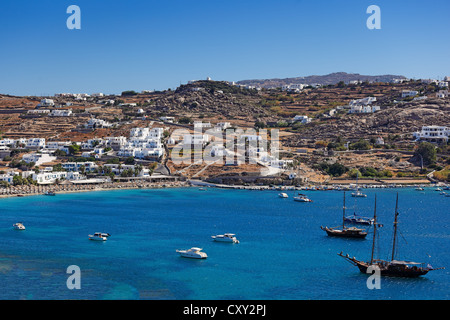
column 332, row 78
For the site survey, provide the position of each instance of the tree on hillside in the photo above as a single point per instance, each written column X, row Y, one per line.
column 427, row 152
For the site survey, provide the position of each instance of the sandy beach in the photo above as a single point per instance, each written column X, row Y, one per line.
column 32, row 190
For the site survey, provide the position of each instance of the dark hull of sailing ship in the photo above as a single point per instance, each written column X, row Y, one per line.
column 345, row 232
column 392, row 268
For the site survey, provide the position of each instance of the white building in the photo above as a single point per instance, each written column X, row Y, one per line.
column 38, row 111
column 38, row 158
column 302, row 119
column 97, row 123
column 200, row 124
column 116, row 143
column 442, row 94
column 363, row 101
column 55, row 145
column 293, row 87
column 61, row 113
column 7, row 142
column 436, row 134
column 46, row 103
column 51, row 177
column 195, row 139
column 379, row 140
column 167, row 119
column 223, row 125
column 75, row 166
column 35, row 143
column 118, row 169
column 443, row 84
column 364, row 109
column 409, row 93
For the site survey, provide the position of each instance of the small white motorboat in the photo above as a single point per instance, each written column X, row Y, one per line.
column 359, row 194
column 226, row 237
column 302, row 198
column 19, row 226
column 419, row 189
column 99, row 236
column 193, row 253
column 283, row 195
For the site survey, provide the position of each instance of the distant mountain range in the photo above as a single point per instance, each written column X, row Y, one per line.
column 332, row 78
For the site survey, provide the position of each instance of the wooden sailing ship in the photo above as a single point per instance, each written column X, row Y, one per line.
column 394, row 268
column 345, row 232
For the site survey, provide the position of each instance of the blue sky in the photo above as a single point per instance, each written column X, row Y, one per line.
column 144, row 45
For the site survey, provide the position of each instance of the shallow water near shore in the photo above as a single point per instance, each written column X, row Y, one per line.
column 282, row 255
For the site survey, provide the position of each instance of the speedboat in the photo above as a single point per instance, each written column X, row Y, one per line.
column 99, row 236
column 193, row 253
column 283, row 195
column 302, row 198
column 359, row 194
column 201, row 189
column 50, row 193
column 227, row 237
column 419, row 189
column 19, row 226
column 359, row 220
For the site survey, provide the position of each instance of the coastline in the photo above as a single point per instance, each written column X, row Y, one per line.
column 28, row 191
column 32, row 190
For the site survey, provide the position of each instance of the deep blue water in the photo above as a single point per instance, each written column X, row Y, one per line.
column 282, row 255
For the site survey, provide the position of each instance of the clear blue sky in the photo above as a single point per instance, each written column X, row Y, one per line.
column 144, row 45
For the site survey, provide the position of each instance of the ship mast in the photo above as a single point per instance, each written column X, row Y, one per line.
column 374, row 229
column 395, row 229
column 343, row 215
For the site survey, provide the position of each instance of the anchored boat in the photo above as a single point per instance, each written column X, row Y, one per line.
column 345, row 232
column 227, row 237
column 19, row 226
column 302, row 198
column 393, row 268
column 193, row 253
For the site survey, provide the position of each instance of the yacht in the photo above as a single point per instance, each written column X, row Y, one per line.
column 99, row 236
column 19, row 226
column 359, row 194
column 193, row 253
column 283, row 195
column 302, row 198
column 227, row 237
column 50, row 193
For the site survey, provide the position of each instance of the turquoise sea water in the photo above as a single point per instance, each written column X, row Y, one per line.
column 282, row 255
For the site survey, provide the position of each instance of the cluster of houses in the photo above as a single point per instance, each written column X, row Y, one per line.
column 142, row 143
